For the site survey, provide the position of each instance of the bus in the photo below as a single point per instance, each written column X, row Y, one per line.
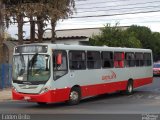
column 50, row 73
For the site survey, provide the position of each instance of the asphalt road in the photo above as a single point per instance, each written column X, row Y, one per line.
column 145, row 100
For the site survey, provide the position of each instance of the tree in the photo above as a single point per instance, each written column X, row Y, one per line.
column 144, row 34
column 59, row 9
column 134, row 36
column 1, row 33
column 155, row 43
column 148, row 39
column 15, row 12
column 42, row 10
column 115, row 37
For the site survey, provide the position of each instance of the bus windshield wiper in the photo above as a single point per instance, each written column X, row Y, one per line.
column 23, row 63
column 33, row 60
column 31, row 63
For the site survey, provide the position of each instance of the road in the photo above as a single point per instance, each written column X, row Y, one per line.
column 145, row 100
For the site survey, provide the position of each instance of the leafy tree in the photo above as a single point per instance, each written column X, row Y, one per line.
column 155, row 43
column 148, row 39
column 115, row 37
column 133, row 37
column 144, row 34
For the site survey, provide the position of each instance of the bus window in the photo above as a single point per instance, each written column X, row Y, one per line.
column 139, row 59
column 130, row 59
column 77, row 60
column 147, row 59
column 118, row 59
column 93, row 60
column 59, row 64
column 107, row 59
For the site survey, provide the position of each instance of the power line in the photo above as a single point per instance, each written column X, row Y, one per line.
column 81, row 0
column 102, row 2
column 131, row 23
column 149, row 21
column 102, row 19
column 118, row 14
column 121, row 9
column 121, row 19
column 141, row 3
column 88, row 23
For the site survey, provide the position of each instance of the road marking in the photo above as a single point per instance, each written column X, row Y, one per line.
column 157, row 98
column 151, row 96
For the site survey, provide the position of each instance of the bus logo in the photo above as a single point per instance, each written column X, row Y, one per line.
column 109, row 76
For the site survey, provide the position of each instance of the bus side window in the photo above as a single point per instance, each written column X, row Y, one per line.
column 107, row 59
column 93, row 60
column 59, row 64
column 129, row 59
column 77, row 60
column 147, row 59
column 139, row 59
column 118, row 59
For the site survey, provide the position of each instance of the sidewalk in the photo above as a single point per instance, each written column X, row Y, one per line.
column 5, row 94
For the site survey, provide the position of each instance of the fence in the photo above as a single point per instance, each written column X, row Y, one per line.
column 5, row 76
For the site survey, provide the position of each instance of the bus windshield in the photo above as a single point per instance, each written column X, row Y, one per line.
column 31, row 68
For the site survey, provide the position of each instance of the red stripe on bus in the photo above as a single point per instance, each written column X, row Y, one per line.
column 141, row 82
column 60, row 95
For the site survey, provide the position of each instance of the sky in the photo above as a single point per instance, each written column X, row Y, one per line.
column 97, row 13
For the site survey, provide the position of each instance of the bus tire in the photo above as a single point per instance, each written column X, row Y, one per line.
column 75, row 96
column 129, row 89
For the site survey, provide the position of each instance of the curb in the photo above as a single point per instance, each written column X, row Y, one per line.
column 6, row 95
column 4, row 100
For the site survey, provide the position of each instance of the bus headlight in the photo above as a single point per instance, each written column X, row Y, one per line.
column 44, row 90
column 13, row 88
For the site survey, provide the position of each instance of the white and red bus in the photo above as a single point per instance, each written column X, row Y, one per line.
column 48, row 73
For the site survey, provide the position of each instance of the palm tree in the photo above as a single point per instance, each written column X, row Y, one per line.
column 32, row 29
column 59, row 9
column 43, row 10
column 14, row 12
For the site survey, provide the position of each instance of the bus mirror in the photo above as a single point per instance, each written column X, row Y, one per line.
column 59, row 59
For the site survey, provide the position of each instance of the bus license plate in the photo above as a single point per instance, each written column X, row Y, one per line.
column 27, row 98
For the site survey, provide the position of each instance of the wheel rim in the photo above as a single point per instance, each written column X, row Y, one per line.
column 130, row 88
column 74, row 96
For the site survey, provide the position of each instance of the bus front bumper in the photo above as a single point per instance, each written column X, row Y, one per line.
column 50, row 96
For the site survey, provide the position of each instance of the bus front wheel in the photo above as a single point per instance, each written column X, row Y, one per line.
column 75, row 96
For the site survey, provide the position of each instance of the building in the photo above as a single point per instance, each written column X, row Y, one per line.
column 71, row 36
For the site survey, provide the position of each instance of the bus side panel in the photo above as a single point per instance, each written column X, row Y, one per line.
column 143, row 81
column 92, row 90
column 60, row 95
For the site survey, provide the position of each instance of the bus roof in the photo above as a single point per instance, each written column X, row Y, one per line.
column 93, row 48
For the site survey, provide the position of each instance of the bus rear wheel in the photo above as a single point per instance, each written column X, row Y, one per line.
column 75, row 96
column 129, row 89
